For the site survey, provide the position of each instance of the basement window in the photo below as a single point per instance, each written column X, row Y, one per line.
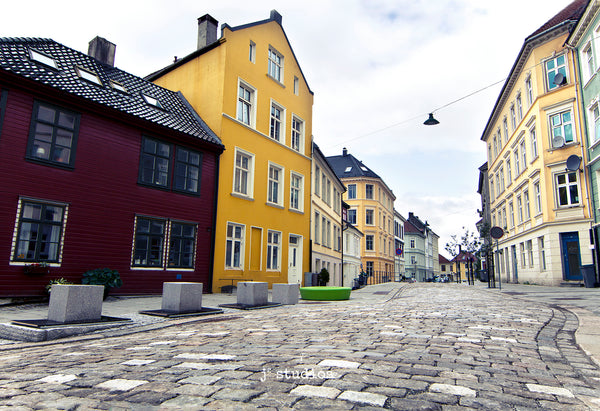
column 43, row 58
column 89, row 75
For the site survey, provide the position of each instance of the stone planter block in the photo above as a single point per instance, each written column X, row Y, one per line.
column 286, row 293
column 252, row 293
column 182, row 297
column 74, row 303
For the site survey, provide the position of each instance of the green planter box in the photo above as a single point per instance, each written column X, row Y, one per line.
column 325, row 293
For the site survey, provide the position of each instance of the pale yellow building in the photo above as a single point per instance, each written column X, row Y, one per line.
column 535, row 126
column 249, row 88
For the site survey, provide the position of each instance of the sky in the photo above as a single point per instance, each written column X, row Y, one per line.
column 376, row 67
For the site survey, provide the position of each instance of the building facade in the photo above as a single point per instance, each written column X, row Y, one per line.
column 421, row 247
column 399, row 246
column 535, row 127
column 371, row 211
column 101, row 169
column 352, row 249
column 584, row 38
column 248, row 87
column 326, row 212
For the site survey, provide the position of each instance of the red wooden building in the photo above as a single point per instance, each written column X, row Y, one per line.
column 100, row 168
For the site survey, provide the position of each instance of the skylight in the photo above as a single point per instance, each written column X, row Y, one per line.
column 118, row 86
column 363, row 168
column 348, row 169
column 43, row 58
column 151, row 100
column 89, row 76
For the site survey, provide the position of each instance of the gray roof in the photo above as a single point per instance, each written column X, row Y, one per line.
column 174, row 113
column 347, row 165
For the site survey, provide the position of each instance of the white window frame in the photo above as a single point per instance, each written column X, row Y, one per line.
column 273, row 250
column 317, row 184
column 275, row 64
column 296, row 192
column 529, row 90
column 275, row 181
column 317, row 228
column 511, row 214
column 538, row 197
column 594, row 122
column 233, row 240
column 277, row 124
column 588, row 61
column 505, row 126
column 513, row 117
column 249, row 173
column 508, row 172
column 297, row 134
column 351, row 190
column 562, row 126
column 296, row 85
column 367, row 210
column 519, row 104
column 533, row 142
column 252, row 52
column 523, row 149
column 526, row 205
column 557, row 68
column 246, row 101
column 567, row 185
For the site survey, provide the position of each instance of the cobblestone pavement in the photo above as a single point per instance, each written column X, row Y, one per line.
column 413, row 347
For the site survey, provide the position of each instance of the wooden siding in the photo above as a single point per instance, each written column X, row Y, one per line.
column 103, row 197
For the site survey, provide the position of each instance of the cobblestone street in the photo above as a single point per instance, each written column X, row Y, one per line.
column 415, row 346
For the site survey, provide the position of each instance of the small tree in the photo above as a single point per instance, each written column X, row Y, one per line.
column 323, row 277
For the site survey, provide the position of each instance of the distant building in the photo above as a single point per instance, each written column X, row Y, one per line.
column 326, row 212
column 534, row 128
column 371, row 211
column 399, row 261
column 421, row 246
column 352, row 248
column 446, row 266
column 101, row 169
column 463, row 263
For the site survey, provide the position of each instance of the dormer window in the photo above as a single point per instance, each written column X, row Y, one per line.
column 88, row 75
column 348, row 169
column 151, row 100
column 118, row 86
column 43, row 58
column 363, row 168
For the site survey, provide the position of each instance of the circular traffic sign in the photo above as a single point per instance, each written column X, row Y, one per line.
column 496, row 232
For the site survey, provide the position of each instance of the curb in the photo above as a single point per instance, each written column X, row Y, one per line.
column 587, row 335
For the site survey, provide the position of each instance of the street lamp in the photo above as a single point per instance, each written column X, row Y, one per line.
column 431, row 121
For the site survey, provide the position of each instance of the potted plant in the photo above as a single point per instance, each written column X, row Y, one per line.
column 323, row 277
column 103, row 276
column 36, row 268
column 56, row 281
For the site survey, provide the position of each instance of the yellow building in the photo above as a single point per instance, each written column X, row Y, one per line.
column 372, row 211
column 540, row 200
column 248, row 87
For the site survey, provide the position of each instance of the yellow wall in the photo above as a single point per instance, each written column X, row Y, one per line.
column 210, row 83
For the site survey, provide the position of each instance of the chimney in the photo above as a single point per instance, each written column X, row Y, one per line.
column 207, row 30
column 102, row 50
column 344, row 152
column 275, row 16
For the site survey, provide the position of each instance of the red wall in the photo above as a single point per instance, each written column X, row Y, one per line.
column 103, row 197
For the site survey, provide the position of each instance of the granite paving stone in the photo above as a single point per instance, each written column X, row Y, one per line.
column 422, row 346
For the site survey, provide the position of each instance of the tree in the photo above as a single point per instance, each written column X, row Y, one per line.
column 469, row 242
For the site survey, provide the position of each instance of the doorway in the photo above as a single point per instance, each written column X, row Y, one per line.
column 295, row 259
column 571, row 256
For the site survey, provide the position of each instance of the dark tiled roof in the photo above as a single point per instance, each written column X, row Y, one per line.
column 175, row 112
column 356, row 168
column 443, row 260
column 570, row 13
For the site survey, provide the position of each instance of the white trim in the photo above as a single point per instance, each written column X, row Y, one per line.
column 251, row 171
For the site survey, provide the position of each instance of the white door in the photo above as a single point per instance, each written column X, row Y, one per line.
column 295, row 260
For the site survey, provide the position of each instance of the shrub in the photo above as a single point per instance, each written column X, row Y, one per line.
column 56, row 281
column 102, row 276
column 323, row 277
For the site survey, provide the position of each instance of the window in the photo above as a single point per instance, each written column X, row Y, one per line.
column 495, row 146
column 529, row 247
column 252, row 52
column 567, row 189
column 118, row 86
column 152, row 101
column 369, row 217
column 324, row 238
column 351, row 191
column 323, row 187
column 520, row 209
column 519, row 107
column 149, row 242
column 513, row 117
column 155, row 162
column 555, row 66
column 352, row 216
column 523, row 154
column 511, row 214
column 296, row 85
column 562, row 125
column 296, row 192
column 492, row 192
column 245, row 107
column 508, row 171
column 182, row 245
column 505, row 126
column 317, row 181
column 275, row 188
column 187, row 171
column 490, row 152
column 504, row 217
column 529, row 91
column 39, row 231
column 522, row 245
column 517, row 167
column 533, row 140
column 588, row 57
column 243, row 172
column 412, row 243
column 234, row 251
column 317, row 230
column 328, row 233
column 297, row 133
column 370, row 269
column 542, row 253
column 413, row 259
column 369, row 191
column 53, row 135
column 273, row 250
column 595, row 122
column 276, row 130
column 526, row 204
column 43, row 58
column 538, row 198
column 328, row 196
column 275, row 65
column 88, row 75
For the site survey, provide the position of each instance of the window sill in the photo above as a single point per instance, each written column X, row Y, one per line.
column 297, row 211
column 242, row 196
column 274, row 205
column 43, row 162
column 275, row 80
